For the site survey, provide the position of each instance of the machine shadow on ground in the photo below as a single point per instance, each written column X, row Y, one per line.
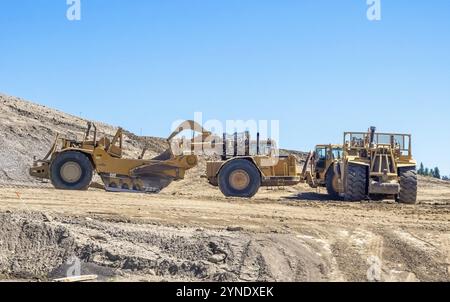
column 312, row 196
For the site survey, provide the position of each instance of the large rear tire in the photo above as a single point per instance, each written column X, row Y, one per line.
column 239, row 178
column 356, row 183
column 71, row 171
column 408, row 186
column 331, row 182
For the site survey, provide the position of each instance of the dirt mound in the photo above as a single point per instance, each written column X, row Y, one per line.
column 35, row 246
column 30, row 248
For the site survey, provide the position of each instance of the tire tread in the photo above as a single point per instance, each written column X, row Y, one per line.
column 356, row 183
column 408, row 186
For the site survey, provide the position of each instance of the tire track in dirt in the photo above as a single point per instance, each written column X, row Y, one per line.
column 410, row 257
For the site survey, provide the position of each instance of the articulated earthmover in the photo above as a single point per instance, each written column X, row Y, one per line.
column 240, row 173
column 320, row 168
column 375, row 165
column 70, row 164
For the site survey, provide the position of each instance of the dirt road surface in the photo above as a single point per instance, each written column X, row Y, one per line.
column 195, row 235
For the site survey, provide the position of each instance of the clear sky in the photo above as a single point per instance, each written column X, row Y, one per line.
column 320, row 67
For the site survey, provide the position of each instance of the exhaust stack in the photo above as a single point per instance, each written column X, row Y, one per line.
column 372, row 134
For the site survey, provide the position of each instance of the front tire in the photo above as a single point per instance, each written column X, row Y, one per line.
column 71, row 171
column 332, row 184
column 356, row 183
column 239, row 178
column 408, row 186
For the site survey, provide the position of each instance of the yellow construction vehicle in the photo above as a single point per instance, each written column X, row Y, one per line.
column 320, row 169
column 70, row 164
column 379, row 165
column 240, row 173
column 372, row 165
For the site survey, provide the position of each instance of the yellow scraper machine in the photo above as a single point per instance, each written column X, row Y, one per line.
column 247, row 165
column 70, row 164
column 368, row 165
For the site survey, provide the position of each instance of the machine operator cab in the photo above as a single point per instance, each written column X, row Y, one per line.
column 325, row 155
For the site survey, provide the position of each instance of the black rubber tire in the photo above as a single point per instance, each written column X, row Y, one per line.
column 356, row 183
column 329, row 183
column 86, row 171
column 408, row 186
column 249, row 168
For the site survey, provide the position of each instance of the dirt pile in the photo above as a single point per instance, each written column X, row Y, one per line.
column 30, row 248
column 36, row 246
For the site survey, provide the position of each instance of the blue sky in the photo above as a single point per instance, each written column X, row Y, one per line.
column 319, row 66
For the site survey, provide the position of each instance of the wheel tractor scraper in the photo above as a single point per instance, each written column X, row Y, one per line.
column 70, row 164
